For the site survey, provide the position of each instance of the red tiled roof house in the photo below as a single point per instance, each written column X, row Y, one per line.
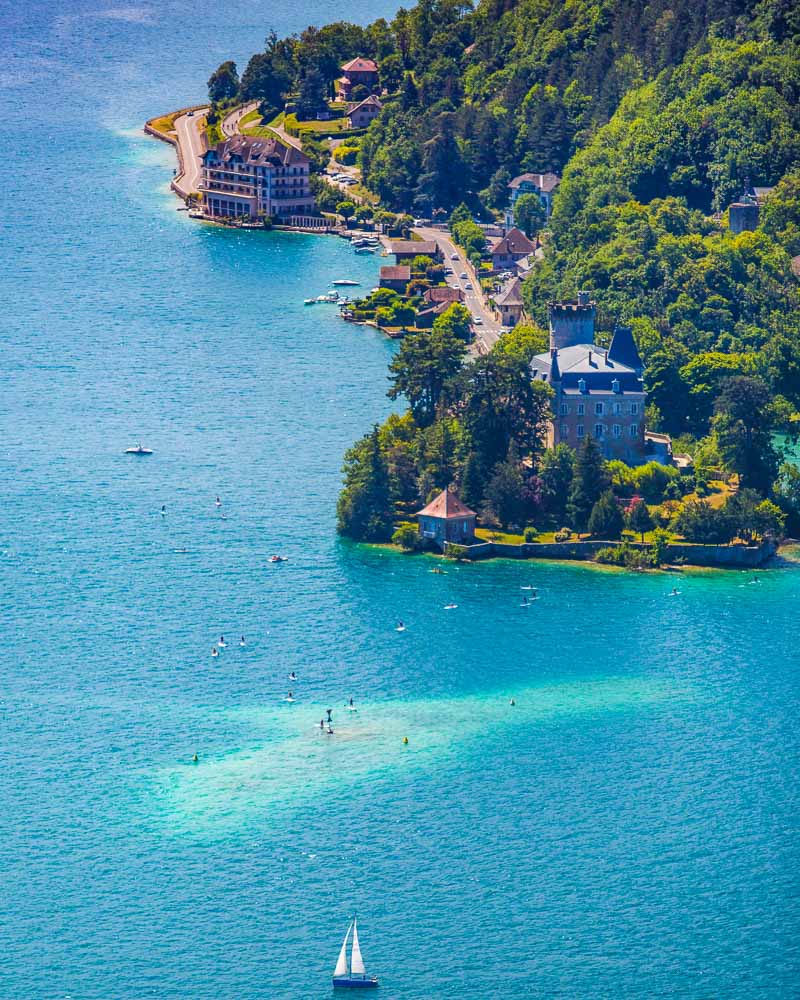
column 358, row 72
column 447, row 519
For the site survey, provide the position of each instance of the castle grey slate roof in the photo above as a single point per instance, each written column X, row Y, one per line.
column 545, row 182
column 589, row 363
column 623, row 348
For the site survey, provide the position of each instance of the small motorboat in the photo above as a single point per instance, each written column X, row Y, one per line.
column 138, row 450
column 309, row 302
column 345, row 281
column 354, row 977
column 278, row 559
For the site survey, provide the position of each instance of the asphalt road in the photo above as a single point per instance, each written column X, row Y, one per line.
column 192, row 148
column 488, row 331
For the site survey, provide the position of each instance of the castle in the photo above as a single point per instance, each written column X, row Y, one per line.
column 597, row 391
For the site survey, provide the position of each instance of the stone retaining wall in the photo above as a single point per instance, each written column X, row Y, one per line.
column 736, row 556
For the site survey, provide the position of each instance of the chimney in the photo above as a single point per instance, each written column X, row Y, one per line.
column 583, row 298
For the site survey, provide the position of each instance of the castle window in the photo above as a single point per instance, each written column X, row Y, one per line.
column 581, row 409
column 564, row 409
column 564, row 431
column 634, row 409
column 598, row 409
column 634, row 430
column 617, row 409
column 598, row 431
column 617, row 431
column 579, row 430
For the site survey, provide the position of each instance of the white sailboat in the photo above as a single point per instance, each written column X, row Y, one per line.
column 355, row 976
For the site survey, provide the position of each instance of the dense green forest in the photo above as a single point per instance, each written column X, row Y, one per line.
column 655, row 115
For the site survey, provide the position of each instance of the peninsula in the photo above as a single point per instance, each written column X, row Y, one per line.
column 596, row 278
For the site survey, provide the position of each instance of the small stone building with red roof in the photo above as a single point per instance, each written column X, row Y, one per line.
column 447, row 519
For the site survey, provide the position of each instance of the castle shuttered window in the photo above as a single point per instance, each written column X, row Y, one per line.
column 617, row 409
column 634, row 409
column 564, row 409
column 581, row 409
column 598, row 409
column 634, row 430
column 598, row 431
column 617, row 431
column 564, row 431
column 579, row 430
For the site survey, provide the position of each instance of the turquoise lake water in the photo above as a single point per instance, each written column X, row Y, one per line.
column 627, row 829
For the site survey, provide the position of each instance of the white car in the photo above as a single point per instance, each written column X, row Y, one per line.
column 477, row 321
column 468, row 284
column 463, row 275
column 453, row 256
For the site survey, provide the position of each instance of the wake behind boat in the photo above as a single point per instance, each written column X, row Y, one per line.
column 356, row 976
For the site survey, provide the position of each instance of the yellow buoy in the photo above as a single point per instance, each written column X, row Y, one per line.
column 405, row 740
column 195, row 758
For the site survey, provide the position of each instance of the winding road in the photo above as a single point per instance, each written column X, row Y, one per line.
column 191, row 146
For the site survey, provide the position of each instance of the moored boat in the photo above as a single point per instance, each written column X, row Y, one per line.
column 138, row 450
column 355, row 975
column 345, row 281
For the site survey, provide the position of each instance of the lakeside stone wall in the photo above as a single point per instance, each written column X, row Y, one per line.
column 734, row 556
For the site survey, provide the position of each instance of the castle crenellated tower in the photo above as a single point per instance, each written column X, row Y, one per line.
column 571, row 323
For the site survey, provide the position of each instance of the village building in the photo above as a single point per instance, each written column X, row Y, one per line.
column 407, row 250
column 395, row 278
column 509, row 303
column 543, row 185
column 249, row 177
column 358, row 72
column 743, row 213
column 511, row 248
column 447, row 519
column 443, row 294
column 436, row 301
column 360, row 115
column 597, row 391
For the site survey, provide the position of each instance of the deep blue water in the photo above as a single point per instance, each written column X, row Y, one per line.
column 628, row 829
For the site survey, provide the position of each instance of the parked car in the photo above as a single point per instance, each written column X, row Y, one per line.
column 453, row 256
column 468, row 284
column 463, row 275
column 477, row 321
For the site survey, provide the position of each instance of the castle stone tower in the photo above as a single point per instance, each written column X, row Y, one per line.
column 571, row 323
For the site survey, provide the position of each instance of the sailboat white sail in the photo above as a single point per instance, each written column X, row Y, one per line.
column 356, row 961
column 341, row 964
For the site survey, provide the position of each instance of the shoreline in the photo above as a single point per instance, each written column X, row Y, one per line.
column 765, row 556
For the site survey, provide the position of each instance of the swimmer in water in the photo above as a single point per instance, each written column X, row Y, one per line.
column 218, row 502
column 322, row 724
column 329, row 711
column 214, row 651
column 222, row 644
column 330, row 730
column 242, row 642
column 293, row 676
column 163, row 510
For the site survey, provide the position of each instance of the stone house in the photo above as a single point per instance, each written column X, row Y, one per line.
column 543, row 185
column 509, row 303
column 358, row 72
column 395, row 277
column 597, row 391
column 247, row 176
column 361, row 114
column 407, row 250
column 447, row 519
column 513, row 247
